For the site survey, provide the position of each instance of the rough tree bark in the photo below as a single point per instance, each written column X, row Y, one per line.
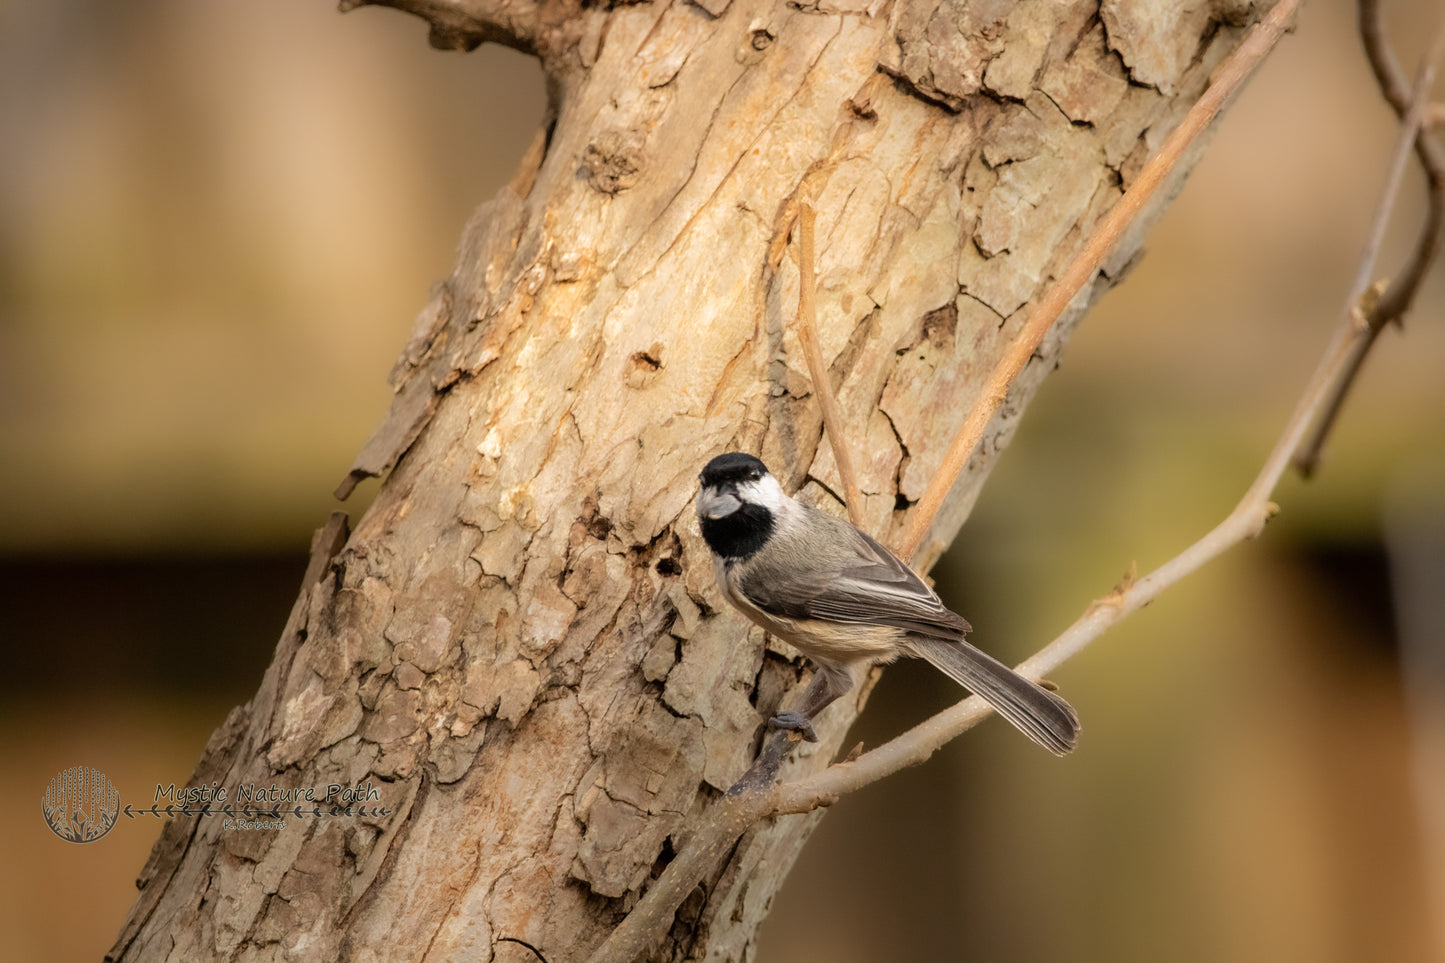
column 520, row 645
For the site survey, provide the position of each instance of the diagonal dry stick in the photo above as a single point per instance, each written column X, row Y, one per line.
column 1227, row 79
column 817, row 370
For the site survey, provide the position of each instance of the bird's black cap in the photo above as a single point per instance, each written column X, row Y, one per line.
column 745, row 529
column 734, row 467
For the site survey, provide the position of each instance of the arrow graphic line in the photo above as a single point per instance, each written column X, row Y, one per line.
column 251, row 812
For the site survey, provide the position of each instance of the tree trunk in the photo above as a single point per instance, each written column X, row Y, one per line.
column 520, row 647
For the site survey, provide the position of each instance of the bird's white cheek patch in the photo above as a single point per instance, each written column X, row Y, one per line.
column 765, row 491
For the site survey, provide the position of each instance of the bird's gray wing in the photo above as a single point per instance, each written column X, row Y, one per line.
column 870, row 585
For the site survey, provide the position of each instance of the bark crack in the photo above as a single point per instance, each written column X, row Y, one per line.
column 1002, row 318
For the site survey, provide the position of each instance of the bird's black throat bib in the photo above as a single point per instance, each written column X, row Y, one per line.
column 739, row 535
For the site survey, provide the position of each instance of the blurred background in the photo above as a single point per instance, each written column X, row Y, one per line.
column 217, row 221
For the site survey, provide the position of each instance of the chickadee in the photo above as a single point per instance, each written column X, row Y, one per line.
column 847, row 602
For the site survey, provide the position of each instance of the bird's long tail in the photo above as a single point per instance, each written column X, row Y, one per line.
column 1035, row 711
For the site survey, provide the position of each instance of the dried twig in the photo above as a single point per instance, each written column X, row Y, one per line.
column 755, row 796
column 1227, row 80
column 817, row 370
column 1390, row 305
column 1428, row 148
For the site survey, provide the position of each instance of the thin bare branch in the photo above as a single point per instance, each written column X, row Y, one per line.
column 1391, row 304
column 817, row 370
column 1394, row 86
column 1429, row 149
column 1227, row 80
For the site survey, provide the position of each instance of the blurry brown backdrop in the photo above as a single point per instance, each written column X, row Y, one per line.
column 217, row 221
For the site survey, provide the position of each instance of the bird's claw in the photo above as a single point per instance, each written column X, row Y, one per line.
column 796, row 722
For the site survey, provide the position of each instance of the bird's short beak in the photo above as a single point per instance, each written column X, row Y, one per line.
column 713, row 503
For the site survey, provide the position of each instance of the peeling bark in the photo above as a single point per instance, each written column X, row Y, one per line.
column 520, row 644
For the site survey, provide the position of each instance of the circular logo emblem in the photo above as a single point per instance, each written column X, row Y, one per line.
column 81, row 804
